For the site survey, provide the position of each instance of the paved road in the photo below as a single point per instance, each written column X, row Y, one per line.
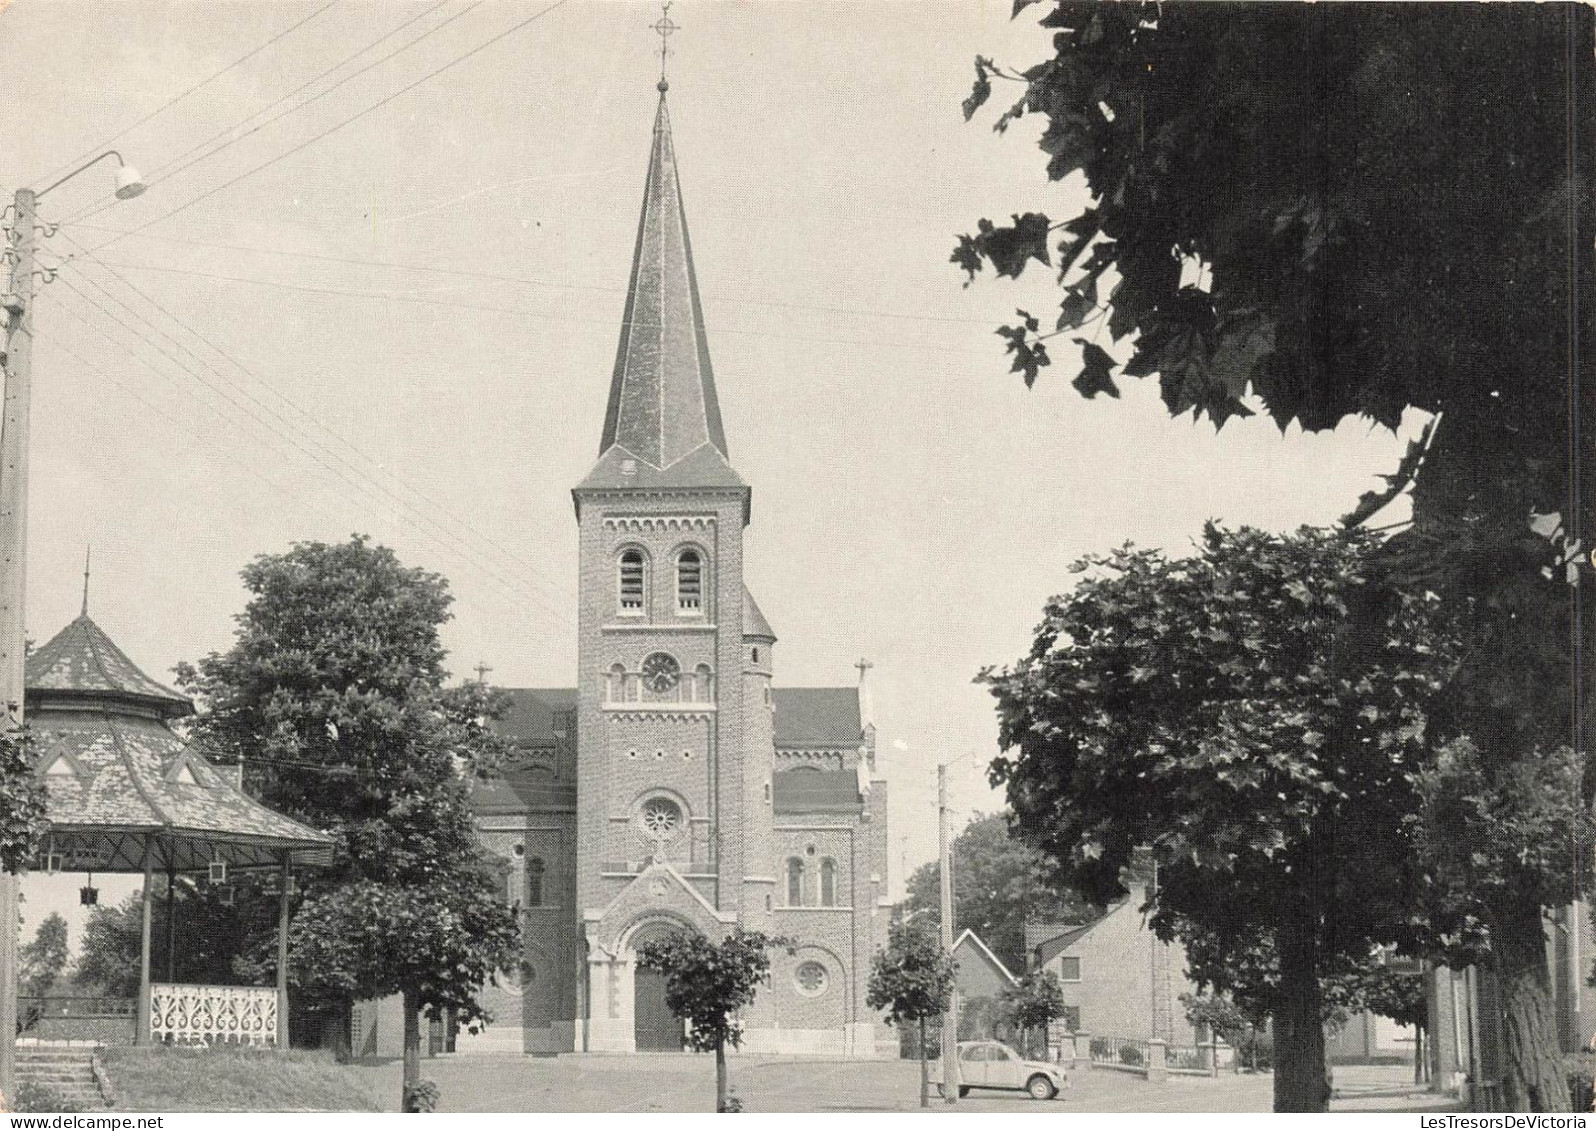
column 687, row 1084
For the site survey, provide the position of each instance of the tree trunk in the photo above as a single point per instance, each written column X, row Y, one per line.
column 721, row 1091
column 1532, row 1072
column 1418, row 1054
column 925, row 1070
column 412, row 1008
column 1301, row 1083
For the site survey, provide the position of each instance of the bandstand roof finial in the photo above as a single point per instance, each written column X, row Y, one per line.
column 87, row 550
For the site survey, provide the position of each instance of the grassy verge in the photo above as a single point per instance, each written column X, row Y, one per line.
column 232, row 1079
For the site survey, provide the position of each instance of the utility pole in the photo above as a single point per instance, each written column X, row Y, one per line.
column 16, row 364
column 16, row 346
column 950, row 1019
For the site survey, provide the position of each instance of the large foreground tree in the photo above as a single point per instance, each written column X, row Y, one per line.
column 1254, row 713
column 333, row 699
column 1343, row 210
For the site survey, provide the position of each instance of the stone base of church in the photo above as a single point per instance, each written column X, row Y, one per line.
column 611, row 1034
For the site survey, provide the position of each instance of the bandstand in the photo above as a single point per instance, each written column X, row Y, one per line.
column 127, row 794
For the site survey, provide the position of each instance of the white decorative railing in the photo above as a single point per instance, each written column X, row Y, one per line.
column 206, row 1015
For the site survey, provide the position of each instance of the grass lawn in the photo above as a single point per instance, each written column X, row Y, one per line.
column 165, row 1078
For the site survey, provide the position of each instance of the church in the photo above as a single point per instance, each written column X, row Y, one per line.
column 676, row 787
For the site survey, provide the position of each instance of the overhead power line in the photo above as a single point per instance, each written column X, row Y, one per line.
column 176, row 98
column 456, row 61
column 537, row 316
column 461, row 272
column 510, row 557
column 161, row 173
column 373, row 490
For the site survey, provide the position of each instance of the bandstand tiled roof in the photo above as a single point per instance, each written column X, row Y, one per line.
column 117, row 777
column 82, row 660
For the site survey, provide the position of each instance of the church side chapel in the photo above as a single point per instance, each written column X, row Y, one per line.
column 676, row 788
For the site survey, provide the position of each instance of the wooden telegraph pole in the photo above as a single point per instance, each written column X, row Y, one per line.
column 950, row 1019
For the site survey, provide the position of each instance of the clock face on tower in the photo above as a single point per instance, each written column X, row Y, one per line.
column 661, row 673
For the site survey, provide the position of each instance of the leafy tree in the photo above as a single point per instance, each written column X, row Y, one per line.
column 43, row 960
column 1035, row 1002
column 1255, row 714
column 1398, row 994
column 707, row 984
column 333, row 699
column 1337, row 210
column 912, row 980
column 108, row 953
column 999, row 884
column 22, row 798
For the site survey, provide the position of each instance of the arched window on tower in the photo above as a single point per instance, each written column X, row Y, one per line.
column 828, row 882
column 704, row 689
column 633, row 581
column 617, row 690
column 534, row 882
column 689, row 582
column 795, row 882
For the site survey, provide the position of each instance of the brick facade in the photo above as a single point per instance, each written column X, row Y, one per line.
column 675, row 787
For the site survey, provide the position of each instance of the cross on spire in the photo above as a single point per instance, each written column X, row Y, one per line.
column 664, row 27
column 482, row 670
column 863, row 665
column 86, row 551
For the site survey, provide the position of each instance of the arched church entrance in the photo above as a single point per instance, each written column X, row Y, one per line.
column 655, row 1027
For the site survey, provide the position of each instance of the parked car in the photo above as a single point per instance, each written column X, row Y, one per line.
column 992, row 1064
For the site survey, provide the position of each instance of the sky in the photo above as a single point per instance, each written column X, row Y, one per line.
column 385, row 298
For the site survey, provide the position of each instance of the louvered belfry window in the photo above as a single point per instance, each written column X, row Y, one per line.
column 689, row 582
column 632, row 581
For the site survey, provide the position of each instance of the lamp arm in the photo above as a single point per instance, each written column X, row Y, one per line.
column 92, row 161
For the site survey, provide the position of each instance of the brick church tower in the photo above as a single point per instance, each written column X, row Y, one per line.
column 675, row 788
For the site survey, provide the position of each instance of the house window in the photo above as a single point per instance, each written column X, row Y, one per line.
column 534, row 882
column 828, row 882
column 795, row 882
column 689, row 582
column 1069, row 969
column 632, row 582
column 1071, row 1018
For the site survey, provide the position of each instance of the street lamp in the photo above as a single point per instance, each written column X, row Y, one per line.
column 16, row 361
column 128, row 182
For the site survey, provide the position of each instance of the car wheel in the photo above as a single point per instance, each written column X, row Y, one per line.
column 1040, row 1087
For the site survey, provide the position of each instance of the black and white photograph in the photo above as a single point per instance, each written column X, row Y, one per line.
column 797, row 556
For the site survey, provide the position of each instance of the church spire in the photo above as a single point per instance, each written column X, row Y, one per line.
column 662, row 404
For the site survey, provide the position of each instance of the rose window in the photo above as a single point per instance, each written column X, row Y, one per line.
column 661, row 818
column 810, row 979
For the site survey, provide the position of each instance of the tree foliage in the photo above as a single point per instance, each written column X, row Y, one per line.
column 912, row 981
column 1000, row 883
column 1035, row 1001
column 1256, row 714
column 1341, row 210
column 707, row 984
column 912, row 978
column 44, row 959
column 22, row 801
column 333, row 699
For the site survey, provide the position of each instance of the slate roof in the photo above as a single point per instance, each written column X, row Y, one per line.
column 754, row 622
column 662, row 403
column 815, row 791
column 81, row 660
column 817, row 718
column 532, row 722
column 115, row 773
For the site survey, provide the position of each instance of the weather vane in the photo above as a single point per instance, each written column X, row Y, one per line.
column 664, row 27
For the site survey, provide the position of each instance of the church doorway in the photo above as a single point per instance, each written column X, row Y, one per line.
column 655, row 1027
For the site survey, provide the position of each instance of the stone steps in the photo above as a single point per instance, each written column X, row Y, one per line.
column 69, row 1072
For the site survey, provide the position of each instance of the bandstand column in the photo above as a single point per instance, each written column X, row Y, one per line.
column 142, row 1036
column 282, row 957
